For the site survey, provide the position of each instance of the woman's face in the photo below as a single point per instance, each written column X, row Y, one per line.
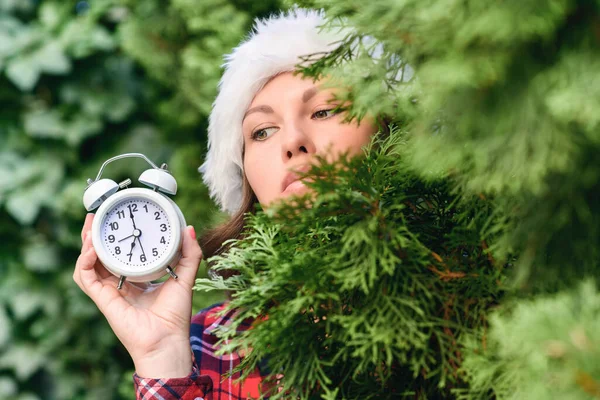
column 286, row 125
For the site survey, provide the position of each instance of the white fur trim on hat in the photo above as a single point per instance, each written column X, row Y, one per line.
column 276, row 45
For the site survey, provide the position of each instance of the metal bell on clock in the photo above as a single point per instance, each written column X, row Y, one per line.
column 97, row 192
column 159, row 179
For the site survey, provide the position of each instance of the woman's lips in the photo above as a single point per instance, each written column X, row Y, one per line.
column 293, row 176
column 295, row 187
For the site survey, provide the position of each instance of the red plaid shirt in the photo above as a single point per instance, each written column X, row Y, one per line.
column 207, row 380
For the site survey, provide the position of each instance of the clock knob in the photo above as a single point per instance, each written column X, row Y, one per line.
column 159, row 179
column 97, row 192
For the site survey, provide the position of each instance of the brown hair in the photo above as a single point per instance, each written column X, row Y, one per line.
column 211, row 241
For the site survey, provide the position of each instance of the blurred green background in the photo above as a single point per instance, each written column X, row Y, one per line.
column 80, row 82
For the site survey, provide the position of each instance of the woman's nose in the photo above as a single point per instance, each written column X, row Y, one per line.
column 296, row 142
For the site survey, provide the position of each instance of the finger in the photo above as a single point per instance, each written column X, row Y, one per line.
column 85, row 267
column 191, row 255
column 102, row 272
column 91, row 272
column 103, row 276
column 87, row 243
column 87, row 225
column 102, row 291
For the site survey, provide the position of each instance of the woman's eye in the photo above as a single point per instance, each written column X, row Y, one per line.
column 263, row 134
column 322, row 114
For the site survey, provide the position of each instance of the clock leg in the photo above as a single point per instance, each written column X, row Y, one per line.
column 172, row 273
column 121, row 281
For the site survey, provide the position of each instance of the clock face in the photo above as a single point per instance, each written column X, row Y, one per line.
column 137, row 233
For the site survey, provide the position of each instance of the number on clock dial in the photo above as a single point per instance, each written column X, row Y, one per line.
column 152, row 223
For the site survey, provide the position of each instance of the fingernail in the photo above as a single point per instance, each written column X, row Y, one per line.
column 192, row 232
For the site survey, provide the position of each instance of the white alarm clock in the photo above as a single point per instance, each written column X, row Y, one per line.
column 137, row 232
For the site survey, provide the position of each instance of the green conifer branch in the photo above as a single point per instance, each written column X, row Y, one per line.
column 369, row 290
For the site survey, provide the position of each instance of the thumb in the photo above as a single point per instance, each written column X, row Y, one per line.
column 191, row 255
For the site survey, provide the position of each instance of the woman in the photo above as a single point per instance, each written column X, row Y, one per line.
column 265, row 124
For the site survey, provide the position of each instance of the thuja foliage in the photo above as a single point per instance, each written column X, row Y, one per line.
column 501, row 100
column 542, row 348
column 365, row 290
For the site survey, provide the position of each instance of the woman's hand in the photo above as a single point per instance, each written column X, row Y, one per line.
column 151, row 320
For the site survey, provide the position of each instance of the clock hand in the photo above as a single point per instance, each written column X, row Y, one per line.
column 125, row 238
column 131, row 250
column 131, row 215
column 142, row 247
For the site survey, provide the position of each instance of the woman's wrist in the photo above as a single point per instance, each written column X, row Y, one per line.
column 170, row 362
